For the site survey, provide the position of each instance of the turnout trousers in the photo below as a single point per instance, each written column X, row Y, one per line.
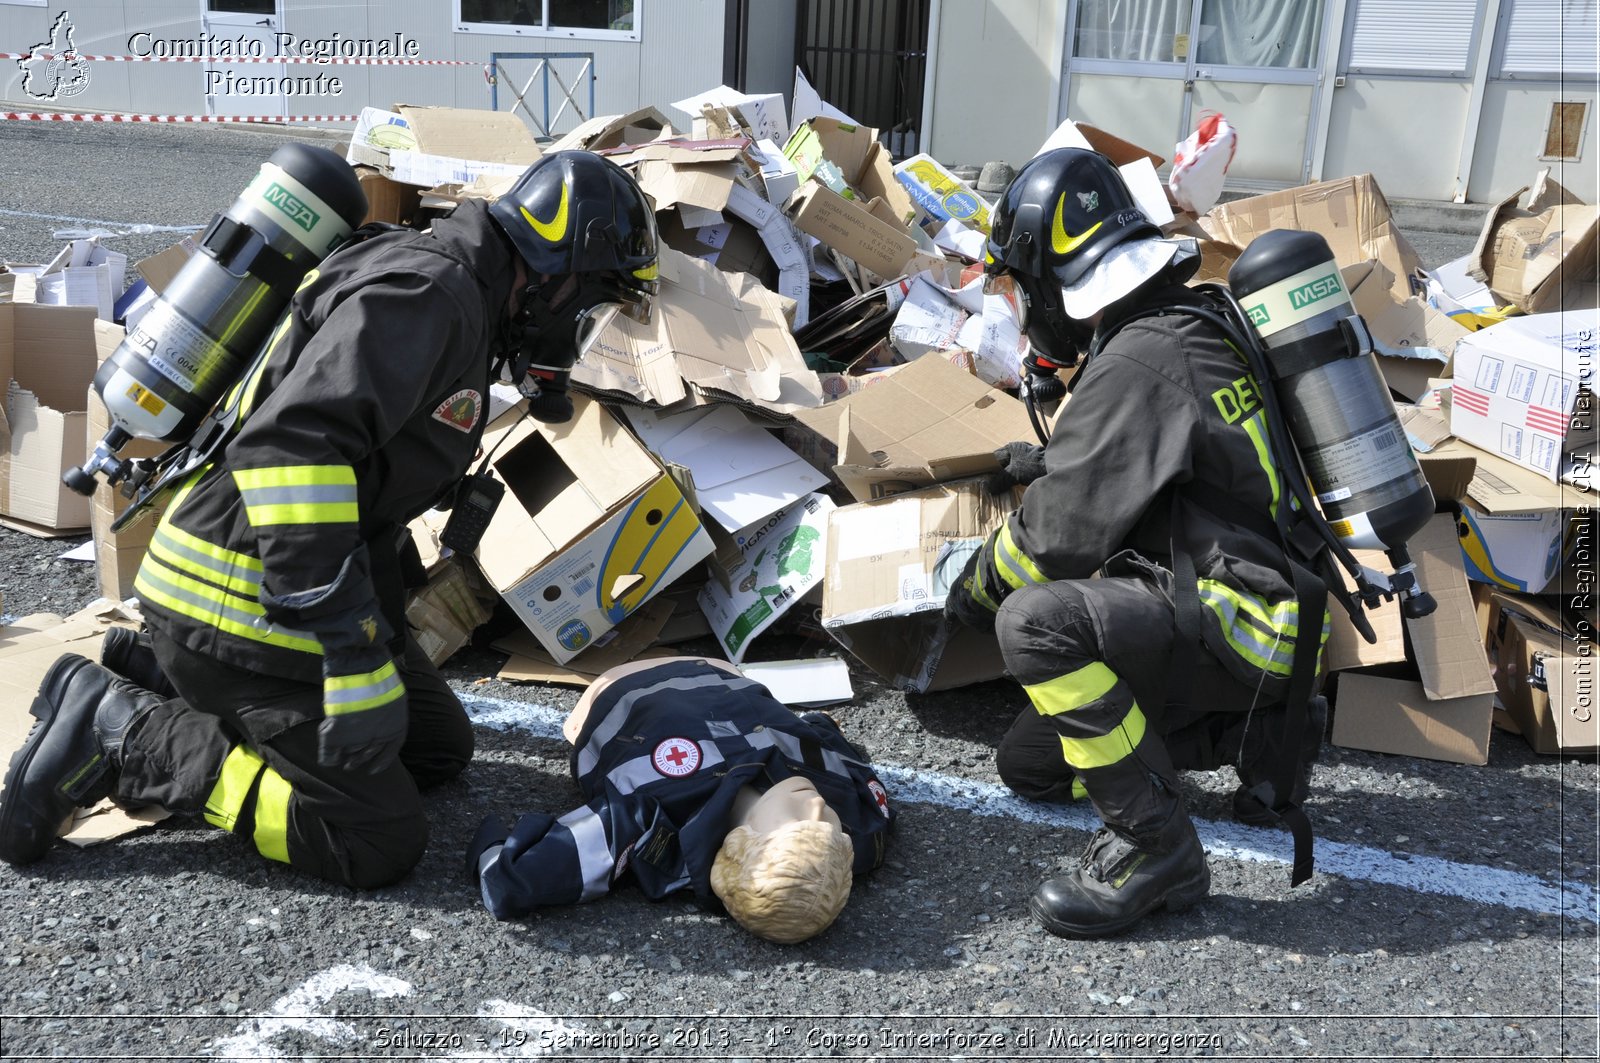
column 1093, row 657
column 239, row 748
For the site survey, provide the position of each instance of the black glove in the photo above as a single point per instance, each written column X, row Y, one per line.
column 491, row 832
column 1020, row 463
column 363, row 696
column 961, row 605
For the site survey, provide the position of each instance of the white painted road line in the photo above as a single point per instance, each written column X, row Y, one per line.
column 1423, row 874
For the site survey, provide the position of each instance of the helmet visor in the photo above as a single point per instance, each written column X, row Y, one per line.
column 591, row 324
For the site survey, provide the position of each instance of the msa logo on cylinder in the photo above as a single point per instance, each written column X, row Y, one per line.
column 285, row 201
column 1318, row 289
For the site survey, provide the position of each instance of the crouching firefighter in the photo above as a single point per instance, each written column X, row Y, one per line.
column 1143, row 594
column 276, row 692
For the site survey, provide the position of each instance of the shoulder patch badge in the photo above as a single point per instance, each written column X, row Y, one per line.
column 461, row 411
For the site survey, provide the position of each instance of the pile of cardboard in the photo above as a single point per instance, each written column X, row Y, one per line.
column 798, row 440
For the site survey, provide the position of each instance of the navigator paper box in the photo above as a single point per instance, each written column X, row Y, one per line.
column 590, row 527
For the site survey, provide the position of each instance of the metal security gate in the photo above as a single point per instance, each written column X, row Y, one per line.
column 534, row 82
column 868, row 58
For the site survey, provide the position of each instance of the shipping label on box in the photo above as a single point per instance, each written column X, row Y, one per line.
column 1520, row 391
column 782, row 559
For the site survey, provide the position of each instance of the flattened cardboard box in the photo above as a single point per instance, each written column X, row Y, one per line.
column 1350, row 213
column 930, row 422
column 890, row 567
column 27, row 652
column 48, row 356
column 589, row 529
column 1445, row 713
column 1546, row 677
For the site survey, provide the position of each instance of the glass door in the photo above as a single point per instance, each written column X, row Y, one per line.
column 251, row 28
column 1148, row 70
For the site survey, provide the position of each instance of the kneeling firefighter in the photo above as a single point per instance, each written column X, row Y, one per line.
column 1146, row 562
column 276, row 691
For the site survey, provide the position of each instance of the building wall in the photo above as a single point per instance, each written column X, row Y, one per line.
column 1511, row 138
column 997, row 78
column 680, row 53
column 1374, row 128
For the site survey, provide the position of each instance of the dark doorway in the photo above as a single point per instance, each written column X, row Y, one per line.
column 868, row 58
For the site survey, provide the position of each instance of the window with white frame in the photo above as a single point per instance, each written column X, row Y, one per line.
column 588, row 19
column 1258, row 33
column 1427, row 37
column 1548, row 39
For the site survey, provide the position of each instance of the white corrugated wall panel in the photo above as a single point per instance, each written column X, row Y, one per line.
column 1549, row 37
column 1424, row 36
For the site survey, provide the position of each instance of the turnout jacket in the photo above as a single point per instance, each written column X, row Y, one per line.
column 366, row 409
column 1166, row 408
column 660, row 758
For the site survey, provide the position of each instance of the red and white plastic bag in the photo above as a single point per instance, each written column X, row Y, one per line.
column 1201, row 163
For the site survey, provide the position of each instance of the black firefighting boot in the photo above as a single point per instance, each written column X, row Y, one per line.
column 72, row 755
column 129, row 654
column 1123, row 876
column 1253, row 800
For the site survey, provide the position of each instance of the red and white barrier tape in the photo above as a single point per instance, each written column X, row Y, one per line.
column 169, row 119
column 335, row 60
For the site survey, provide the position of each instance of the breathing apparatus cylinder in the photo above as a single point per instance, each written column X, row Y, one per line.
column 202, row 334
column 1334, row 399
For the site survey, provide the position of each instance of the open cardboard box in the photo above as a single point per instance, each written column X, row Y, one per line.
column 48, row 357
column 589, row 529
column 890, row 567
column 849, row 197
column 1540, row 258
column 1350, row 213
column 1424, row 335
column 1441, row 709
column 456, row 145
column 1545, row 675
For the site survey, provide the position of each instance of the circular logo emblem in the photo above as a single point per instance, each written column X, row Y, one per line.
column 880, row 795
column 676, row 757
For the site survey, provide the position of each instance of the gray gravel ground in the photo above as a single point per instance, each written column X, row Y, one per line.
column 179, row 943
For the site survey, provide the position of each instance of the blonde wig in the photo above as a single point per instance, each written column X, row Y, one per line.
column 785, row 885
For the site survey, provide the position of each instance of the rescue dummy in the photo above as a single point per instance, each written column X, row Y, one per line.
column 697, row 778
column 1155, row 495
column 276, row 692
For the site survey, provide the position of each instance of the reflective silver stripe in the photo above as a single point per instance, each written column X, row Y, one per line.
column 487, row 859
column 594, row 855
column 228, row 612
column 332, row 699
column 280, row 496
column 790, row 745
column 1245, row 636
column 589, row 756
column 632, row 774
column 218, row 572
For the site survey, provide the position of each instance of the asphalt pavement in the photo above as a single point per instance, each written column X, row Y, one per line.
column 1453, row 914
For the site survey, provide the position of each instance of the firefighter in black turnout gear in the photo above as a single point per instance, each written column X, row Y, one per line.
column 277, row 692
column 1140, row 593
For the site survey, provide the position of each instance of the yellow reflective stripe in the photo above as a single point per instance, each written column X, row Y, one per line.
column 228, row 558
column 980, row 593
column 1271, row 653
column 1107, row 749
column 1255, row 427
column 1079, row 791
column 1023, row 561
column 198, row 564
column 227, row 797
column 298, row 494
column 1284, row 617
column 254, row 382
column 345, row 694
column 294, row 476
column 303, row 513
column 272, row 817
column 205, row 603
column 1073, row 690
